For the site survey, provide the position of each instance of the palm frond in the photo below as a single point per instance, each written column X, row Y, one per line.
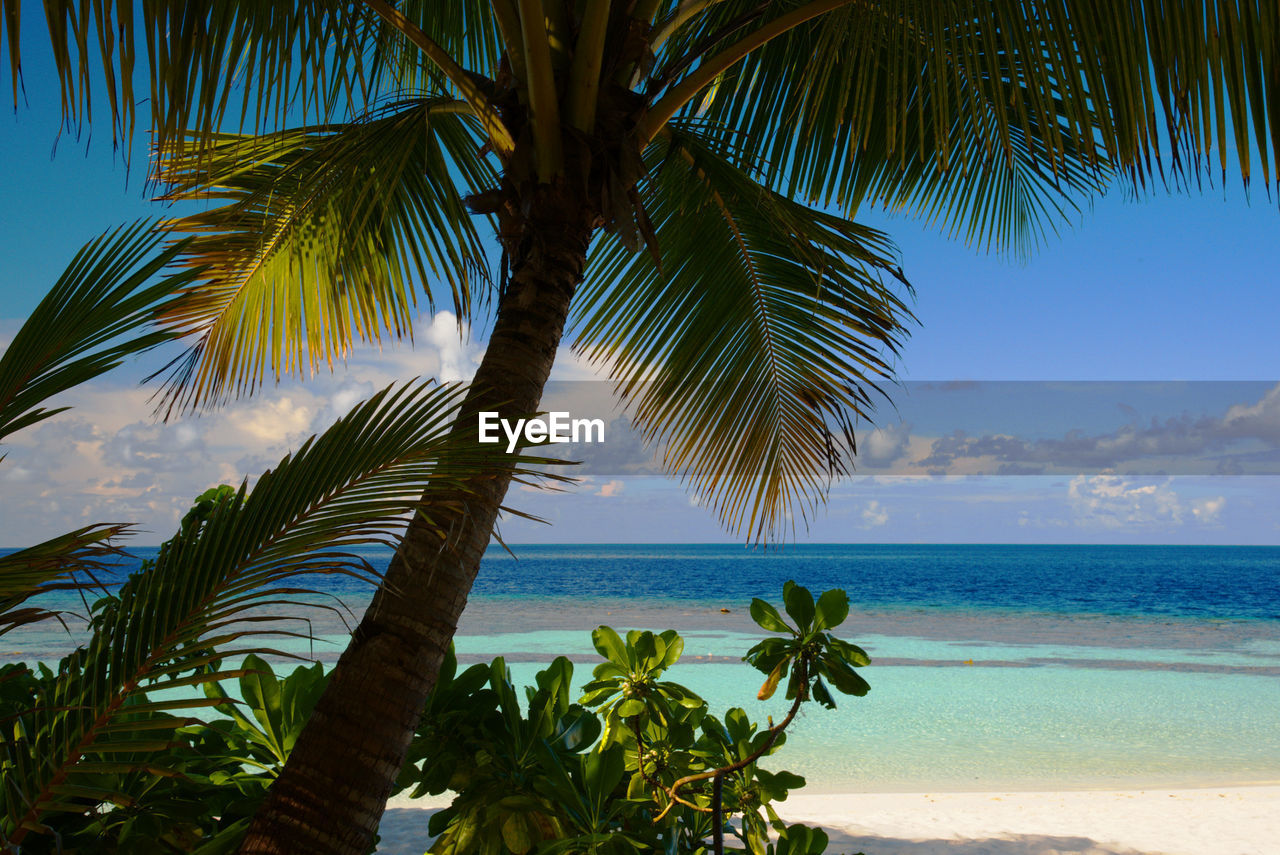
column 77, row 332
column 69, row 562
column 322, row 238
column 466, row 30
column 207, row 63
column 990, row 114
column 348, row 487
column 747, row 355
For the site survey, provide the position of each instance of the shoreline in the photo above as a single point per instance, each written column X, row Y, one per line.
column 1236, row 820
column 1192, row 821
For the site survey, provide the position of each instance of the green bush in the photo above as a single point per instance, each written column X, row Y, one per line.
column 629, row 763
column 624, row 763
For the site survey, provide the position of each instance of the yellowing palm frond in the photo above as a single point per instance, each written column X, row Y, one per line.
column 324, row 236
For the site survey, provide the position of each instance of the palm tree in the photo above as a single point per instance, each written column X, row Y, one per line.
column 231, row 574
column 719, row 135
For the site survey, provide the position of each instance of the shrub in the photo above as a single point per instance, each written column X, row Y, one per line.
column 635, row 763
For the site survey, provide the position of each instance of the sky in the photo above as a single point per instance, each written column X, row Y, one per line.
column 1170, row 300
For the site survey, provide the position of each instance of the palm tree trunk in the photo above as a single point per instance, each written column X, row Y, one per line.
column 331, row 794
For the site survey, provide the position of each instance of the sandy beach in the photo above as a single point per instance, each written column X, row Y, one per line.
column 1213, row 821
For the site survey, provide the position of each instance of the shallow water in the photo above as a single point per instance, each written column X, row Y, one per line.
column 1001, row 667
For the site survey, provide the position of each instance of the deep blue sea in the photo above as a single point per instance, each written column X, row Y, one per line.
column 1014, row 667
column 1153, row 581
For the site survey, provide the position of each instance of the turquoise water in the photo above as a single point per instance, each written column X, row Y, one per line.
column 993, row 667
column 976, row 728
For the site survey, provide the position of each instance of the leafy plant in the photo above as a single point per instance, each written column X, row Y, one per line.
column 637, row 763
column 196, row 794
column 110, row 725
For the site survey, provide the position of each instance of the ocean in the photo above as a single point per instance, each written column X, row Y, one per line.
column 993, row 667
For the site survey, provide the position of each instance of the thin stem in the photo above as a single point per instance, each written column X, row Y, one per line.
column 717, row 819
column 695, row 53
column 674, row 790
column 584, row 76
column 678, row 18
column 499, row 135
column 544, row 107
column 635, row 727
column 710, row 69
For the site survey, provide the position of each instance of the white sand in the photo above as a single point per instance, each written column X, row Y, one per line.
column 1218, row 821
column 1235, row 821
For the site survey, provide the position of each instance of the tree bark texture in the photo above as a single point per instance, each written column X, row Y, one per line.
column 331, row 794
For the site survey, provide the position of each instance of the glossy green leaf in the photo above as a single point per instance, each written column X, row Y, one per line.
column 609, row 644
column 630, row 707
column 851, row 653
column 646, row 649
column 843, row 677
column 800, row 606
column 823, row 695
column 674, row 648
column 832, row 609
column 767, row 617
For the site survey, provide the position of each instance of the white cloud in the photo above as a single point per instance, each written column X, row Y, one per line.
column 271, row 421
column 1260, row 420
column 611, row 488
column 571, row 366
column 1208, row 510
column 108, row 458
column 342, row 401
column 875, row 514
column 1111, row 501
column 458, row 356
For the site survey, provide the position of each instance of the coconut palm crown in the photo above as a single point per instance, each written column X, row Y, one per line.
column 674, row 182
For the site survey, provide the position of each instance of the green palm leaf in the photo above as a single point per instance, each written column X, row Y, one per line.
column 748, row 354
column 348, row 487
column 77, row 331
column 68, row 562
column 254, row 65
column 102, row 309
column 323, row 235
column 209, row 63
column 988, row 114
column 464, row 29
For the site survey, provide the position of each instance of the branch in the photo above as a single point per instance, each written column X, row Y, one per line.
column 499, row 135
column 635, row 727
column 584, row 76
column 544, row 107
column 504, row 12
column 674, row 790
column 708, row 71
column 677, row 19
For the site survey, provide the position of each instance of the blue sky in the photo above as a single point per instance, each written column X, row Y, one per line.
column 1167, row 288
